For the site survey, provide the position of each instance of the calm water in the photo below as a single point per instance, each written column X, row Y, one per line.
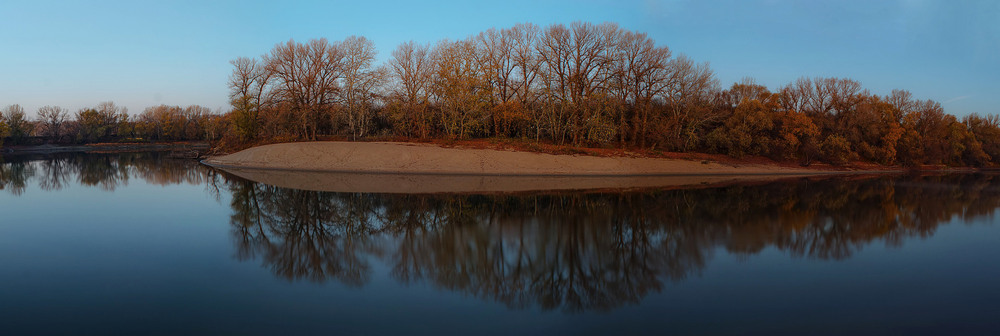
column 142, row 244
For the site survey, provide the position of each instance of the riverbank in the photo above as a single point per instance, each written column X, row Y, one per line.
column 414, row 158
column 397, row 167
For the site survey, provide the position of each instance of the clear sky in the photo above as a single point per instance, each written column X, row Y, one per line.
column 141, row 53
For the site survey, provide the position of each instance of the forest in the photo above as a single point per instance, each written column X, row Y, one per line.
column 581, row 85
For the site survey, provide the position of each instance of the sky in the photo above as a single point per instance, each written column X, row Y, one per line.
column 139, row 53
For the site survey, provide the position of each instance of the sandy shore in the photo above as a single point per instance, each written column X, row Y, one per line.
column 438, row 183
column 408, row 158
column 422, row 168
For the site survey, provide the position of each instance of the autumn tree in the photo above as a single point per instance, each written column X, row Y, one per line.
column 4, row 131
column 873, row 129
column 584, row 84
column 100, row 123
column 823, row 98
column 173, row 123
column 158, row 123
column 797, row 137
column 748, row 127
column 934, row 136
column 196, row 121
column 986, row 129
column 18, row 126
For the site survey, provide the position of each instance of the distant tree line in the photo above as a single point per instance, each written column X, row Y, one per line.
column 108, row 122
column 586, row 85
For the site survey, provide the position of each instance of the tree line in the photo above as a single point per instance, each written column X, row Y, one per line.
column 108, row 122
column 587, row 85
column 584, row 84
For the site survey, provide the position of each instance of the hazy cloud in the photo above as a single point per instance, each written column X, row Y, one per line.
column 957, row 98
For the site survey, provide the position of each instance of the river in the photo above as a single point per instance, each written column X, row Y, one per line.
column 139, row 243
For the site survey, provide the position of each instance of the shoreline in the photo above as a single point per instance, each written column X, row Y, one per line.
column 389, row 167
column 446, row 173
column 429, row 159
column 388, row 183
column 104, row 147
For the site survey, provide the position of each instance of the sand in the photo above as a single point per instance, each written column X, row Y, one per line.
column 438, row 183
column 388, row 167
column 409, row 158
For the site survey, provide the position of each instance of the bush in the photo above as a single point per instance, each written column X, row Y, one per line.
column 836, row 150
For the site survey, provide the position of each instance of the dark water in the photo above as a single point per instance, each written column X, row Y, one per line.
column 142, row 244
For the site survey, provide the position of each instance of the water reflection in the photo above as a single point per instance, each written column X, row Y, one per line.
column 107, row 171
column 576, row 251
column 565, row 251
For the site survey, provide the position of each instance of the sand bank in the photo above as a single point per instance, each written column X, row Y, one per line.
column 408, row 158
column 422, row 168
column 439, row 183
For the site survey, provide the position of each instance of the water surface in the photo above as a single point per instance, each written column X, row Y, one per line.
column 143, row 244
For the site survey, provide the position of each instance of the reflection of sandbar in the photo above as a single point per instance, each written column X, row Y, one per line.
column 421, row 168
column 438, row 183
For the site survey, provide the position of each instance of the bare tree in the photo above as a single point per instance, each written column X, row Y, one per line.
column 52, row 119
column 411, row 68
column 495, row 57
column 553, row 49
column 641, row 72
column 901, row 100
column 689, row 95
column 589, row 57
column 495, row 49
column 195, row 122
column 524, row 39
column 361, row 80
column 249, row 93
column 822, row 98
column 576, row 68
column 458, row 86
column 307, row 76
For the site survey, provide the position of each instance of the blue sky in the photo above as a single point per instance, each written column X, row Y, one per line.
column 76, row 54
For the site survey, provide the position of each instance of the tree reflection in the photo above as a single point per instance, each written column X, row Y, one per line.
column 54, row 174
column 568, row 251
column 585, row 251
column 14, row 176
column 107, row 171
